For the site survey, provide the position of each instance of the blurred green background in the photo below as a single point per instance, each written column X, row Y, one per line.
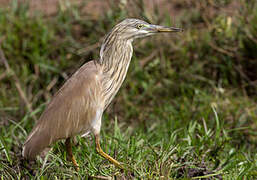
column 187, row 109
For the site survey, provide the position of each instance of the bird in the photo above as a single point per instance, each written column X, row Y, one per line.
column 78, row 106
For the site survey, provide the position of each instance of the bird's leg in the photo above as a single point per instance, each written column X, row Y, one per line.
column 70, row 155
column 102, row 153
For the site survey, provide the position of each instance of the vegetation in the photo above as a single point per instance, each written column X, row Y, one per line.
column 188, row 107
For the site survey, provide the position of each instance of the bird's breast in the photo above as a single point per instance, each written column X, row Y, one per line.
column 112, row 83
column 116, row 60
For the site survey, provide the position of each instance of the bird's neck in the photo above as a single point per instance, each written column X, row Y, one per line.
column 115, row 55
column 115, row 58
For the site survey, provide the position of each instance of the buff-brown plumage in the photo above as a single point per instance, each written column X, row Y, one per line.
column 70, row 111
column 78, row 106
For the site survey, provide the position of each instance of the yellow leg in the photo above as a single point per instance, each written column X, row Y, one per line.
column 70, row 155
column 106, row 156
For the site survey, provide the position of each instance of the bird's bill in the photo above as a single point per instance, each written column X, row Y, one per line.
column 157, row 28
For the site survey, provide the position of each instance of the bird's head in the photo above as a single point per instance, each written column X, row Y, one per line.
column 131, row 29
column 126, row 31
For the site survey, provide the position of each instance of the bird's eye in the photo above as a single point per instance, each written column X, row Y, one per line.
column 139, row 26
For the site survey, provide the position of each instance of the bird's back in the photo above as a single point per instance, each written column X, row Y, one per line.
column 70, row 112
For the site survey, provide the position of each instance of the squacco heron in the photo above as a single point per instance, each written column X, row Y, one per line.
column 77, row 108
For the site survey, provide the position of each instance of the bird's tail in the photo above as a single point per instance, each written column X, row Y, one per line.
column 36, row 142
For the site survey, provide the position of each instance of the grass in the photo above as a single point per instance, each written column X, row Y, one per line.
column 187, row 109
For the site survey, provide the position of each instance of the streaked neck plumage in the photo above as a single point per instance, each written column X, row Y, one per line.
column 115, row 57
